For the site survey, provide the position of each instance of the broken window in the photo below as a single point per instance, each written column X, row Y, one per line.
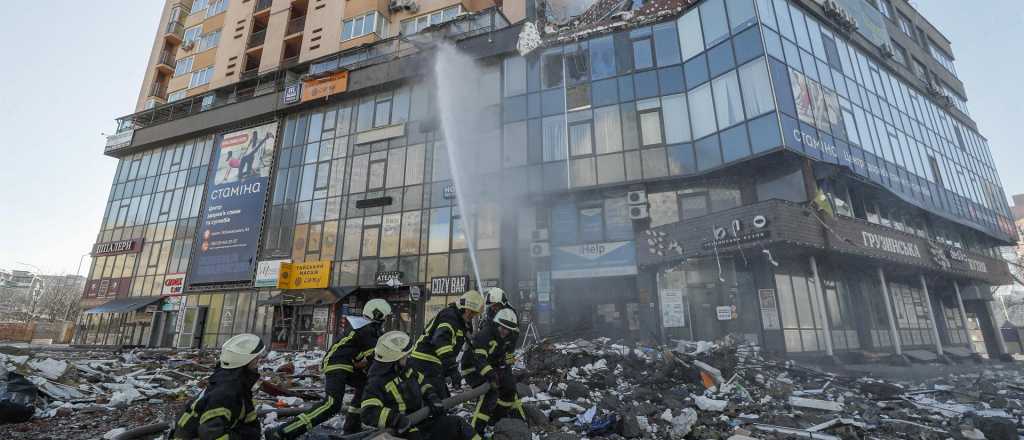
column 577, row 64
column 551, row 68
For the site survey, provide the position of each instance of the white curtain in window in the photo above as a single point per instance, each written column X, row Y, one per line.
column 554, row 138
column 704, row 119
column 607, row 129
column 728, row 101
column 677, row 118
column 757, row 88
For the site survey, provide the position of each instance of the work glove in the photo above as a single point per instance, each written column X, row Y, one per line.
column 436, row 405
column 400, row 424
column 510, row 358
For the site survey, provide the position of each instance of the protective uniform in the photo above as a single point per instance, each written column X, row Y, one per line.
column 394, row 391
column 225, row 410
column 344, row 364
column 486, row 361
column 438, row 347
column 508, row 396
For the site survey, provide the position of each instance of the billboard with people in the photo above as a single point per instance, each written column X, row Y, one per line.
column 229, row 231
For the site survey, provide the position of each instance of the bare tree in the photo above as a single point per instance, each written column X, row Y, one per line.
column 60, row 297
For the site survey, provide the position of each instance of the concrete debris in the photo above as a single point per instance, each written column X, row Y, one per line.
column 584, row 388
column 529, row 39
column 730, row 390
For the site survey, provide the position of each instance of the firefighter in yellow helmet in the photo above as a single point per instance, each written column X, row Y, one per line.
column 394, row 391
column 438, row 347
column 225, row 410
column 486, row 362
column 344, row 364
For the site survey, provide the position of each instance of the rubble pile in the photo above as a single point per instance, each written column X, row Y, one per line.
column 599, row 389
column 84, row 394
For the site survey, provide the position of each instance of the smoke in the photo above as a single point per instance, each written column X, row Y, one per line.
column 472, row 142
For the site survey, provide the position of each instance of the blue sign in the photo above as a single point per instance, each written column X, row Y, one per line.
column 236, row 190
column 617, row 258
column 563, row 223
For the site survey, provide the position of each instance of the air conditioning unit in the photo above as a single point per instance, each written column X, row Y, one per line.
column 638, row 212
column 540, row 235
column 540, row 250
column 887, row 50
column 403, row 5
column 636, row 197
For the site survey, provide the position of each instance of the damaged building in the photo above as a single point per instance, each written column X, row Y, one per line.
column 803, row 174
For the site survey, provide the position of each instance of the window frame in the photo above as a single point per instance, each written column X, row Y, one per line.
column 207, row 71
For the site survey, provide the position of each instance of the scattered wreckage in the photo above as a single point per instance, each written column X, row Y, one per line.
column 576, row 389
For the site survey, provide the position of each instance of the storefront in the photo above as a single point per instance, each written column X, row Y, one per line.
column 844, row 285
column 125, row 321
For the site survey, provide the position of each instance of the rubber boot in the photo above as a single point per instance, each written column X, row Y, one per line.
column 353, row 424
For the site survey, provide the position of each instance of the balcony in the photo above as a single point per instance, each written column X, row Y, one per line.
column 166, row 61
column 257, row 39
column 158, row 89
column 289, row 62
column 251, row 73
column 262, row 5
column 295, row 26
column 174, row 31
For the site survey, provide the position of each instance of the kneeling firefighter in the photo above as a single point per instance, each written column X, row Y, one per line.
column 443, row 338
column 345, row 363
column 394, row 390
column 486, row 363
column 225, row 409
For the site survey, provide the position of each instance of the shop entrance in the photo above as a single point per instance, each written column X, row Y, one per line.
column 162, row 330
column 707, row 288
column 193, row 328
column 600, row 307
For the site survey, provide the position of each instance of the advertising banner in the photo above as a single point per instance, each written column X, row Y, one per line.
column 236, row 190
column 673, row 310
column 173, row 284
column 308, row 275
column 267, row 272
column 323, row 87
column 594, row 260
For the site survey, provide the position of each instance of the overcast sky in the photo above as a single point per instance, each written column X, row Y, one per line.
column 60, row 89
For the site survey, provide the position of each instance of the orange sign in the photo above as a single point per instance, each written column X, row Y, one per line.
column 326, row 86
column 309, row 275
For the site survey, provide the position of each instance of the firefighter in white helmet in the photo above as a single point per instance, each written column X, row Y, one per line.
column 225, row 410
column 395, row 390
column 486, row 362
column 346, row 363
column 443, row 338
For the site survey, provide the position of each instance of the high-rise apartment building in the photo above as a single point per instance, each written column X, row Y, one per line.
column 803, row 174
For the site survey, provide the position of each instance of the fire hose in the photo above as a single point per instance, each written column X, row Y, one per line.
column 159, row 428
column 421, row 414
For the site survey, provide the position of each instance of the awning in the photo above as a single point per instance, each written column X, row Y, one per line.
column 122, row 305
column 308, row 297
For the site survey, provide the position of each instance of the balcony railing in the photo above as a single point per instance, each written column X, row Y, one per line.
column 167, row 58
column 296, row 25
column 251, row 73
column 158, row 89
column 175, row 28
column 262, row 4
column 289, row 62
column 257, row 38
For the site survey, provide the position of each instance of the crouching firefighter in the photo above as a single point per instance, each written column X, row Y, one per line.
column 487, row 363
column 345, row 363
column 225, row 409
column 394, row 390
column 438, row 347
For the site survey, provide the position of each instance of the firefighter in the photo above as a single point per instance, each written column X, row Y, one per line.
column 344, row 364
column 487, row 363
column 225, row 410
column 442, row 340
column 508, row 396
column 394, row 390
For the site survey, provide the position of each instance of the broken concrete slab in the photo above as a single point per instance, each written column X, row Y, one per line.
column 824, row 405
column 924, row 356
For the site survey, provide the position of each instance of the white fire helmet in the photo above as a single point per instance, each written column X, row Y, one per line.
column 392, row 346
column 240, row 350
column 507, row 318
column 377, row 309
column 472, row 300
column 495, row 295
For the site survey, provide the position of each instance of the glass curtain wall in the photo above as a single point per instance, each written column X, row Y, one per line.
column 676, row 98
column 840, row 105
